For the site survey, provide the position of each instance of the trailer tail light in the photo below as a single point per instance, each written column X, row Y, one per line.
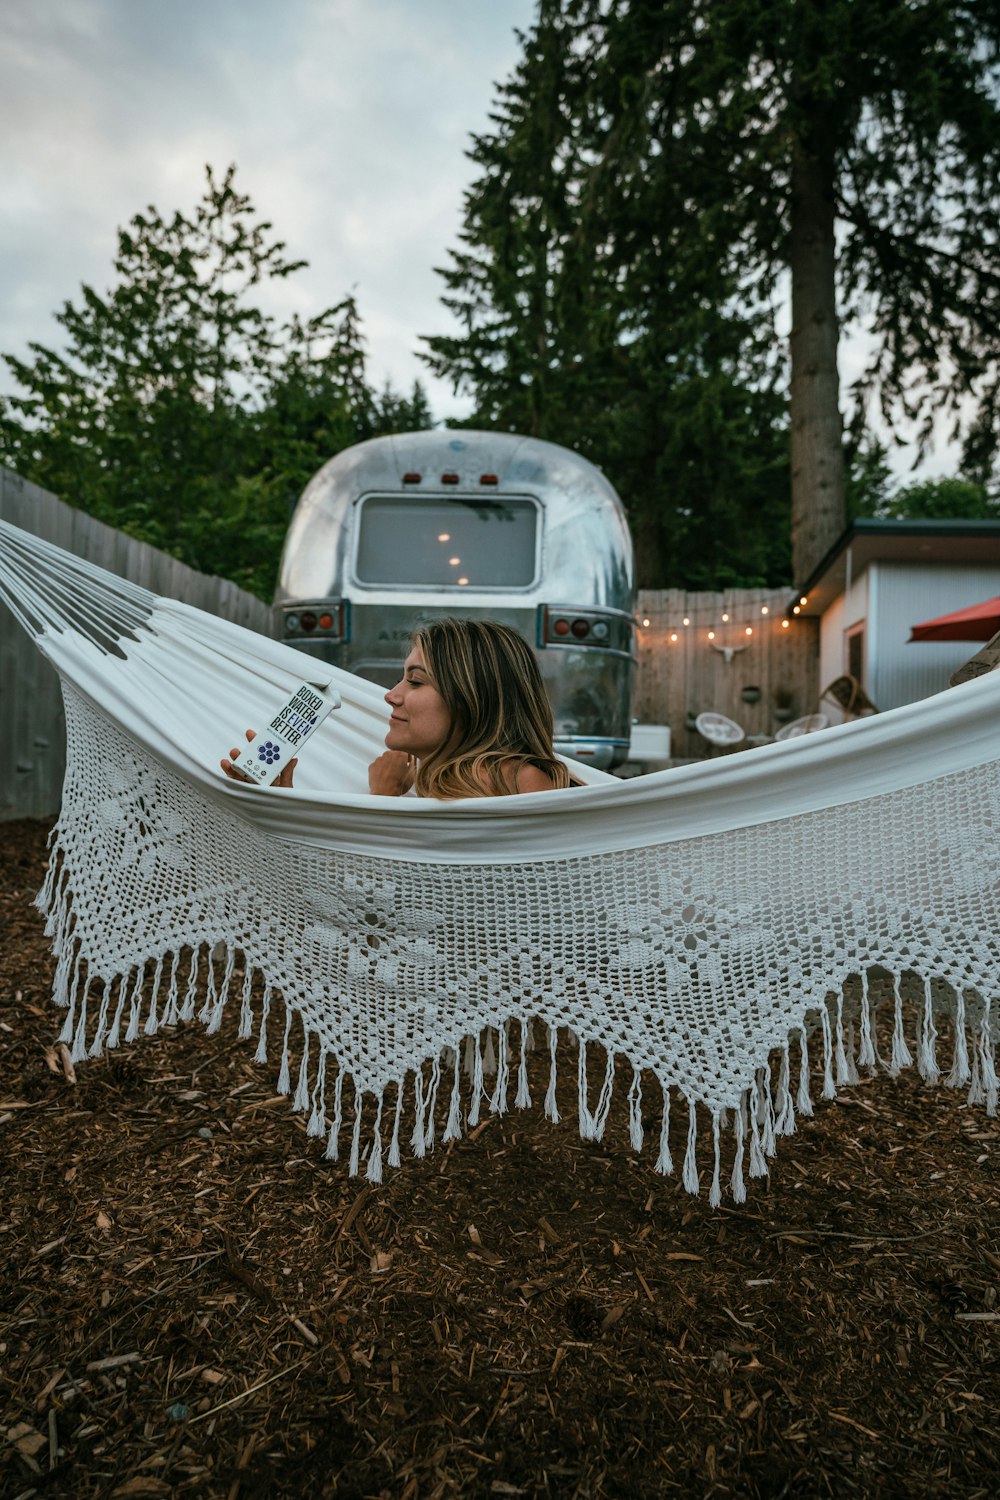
column 488, row 479
column 607, row 630
column 316, row 620
column 449, row 479
column 411, row 478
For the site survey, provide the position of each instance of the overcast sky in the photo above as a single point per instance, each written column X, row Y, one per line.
column 348, row 121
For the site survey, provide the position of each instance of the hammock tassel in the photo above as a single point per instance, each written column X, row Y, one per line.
column 866, row 1054
column 79, row 1049
column 301, row 1097
column 784, row 1109
column 170, row 1011
column 586, row 1119
column 355, row 1162
column 317, row 1119
column 114, row 1035
column 853, row 1076
column 261, row 1054
column 67, row 997
column 489, row 1054
column 333, row 1140
column 453, row 1129
column 498, row 1101
column 102, row 1021
column 374, row 1172
column 246, row 1014
column 205, row 1014
column 599, row 1118
column 551, row 1111
column 417, row 1138
column 522, row 1099
column 690, row 1174
column 135, row 1006
column 431, row 1104
column 843, row 1070
column 215, row 1020
column 758, row 1162
column 901, row 1055
column 635, row 1110
column 960, row 1072
column 477, row 1079
column 715, row 1192
column 664, row 1161
column 829, row 1089
column 187, row 1010
column 152, row 1025
column 284, row 1075
column 739, row 1131
column 927, row 1056
column 394, row 1156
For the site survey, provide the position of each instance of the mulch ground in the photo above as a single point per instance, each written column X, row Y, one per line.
column 193, row 1302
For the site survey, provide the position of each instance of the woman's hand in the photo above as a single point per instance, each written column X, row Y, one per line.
column 233, row 771
column 392, row 774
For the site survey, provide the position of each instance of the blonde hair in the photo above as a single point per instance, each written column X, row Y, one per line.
column 501, row 719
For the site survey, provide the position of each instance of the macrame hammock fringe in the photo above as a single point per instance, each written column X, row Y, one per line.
column 729, row 937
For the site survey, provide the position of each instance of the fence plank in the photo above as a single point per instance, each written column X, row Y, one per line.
column 682, row 672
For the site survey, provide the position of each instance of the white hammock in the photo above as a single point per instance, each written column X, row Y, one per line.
column 695, row 923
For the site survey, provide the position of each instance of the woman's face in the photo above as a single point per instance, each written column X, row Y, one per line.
column 420, row 722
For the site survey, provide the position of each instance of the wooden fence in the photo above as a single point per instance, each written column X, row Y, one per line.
column 729, row 653
column 32, row 732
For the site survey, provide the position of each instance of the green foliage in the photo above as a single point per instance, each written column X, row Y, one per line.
column 180, row 412
column 955, row 499
column 637, row 206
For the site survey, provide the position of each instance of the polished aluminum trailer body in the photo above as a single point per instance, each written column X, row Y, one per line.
column 403, row 529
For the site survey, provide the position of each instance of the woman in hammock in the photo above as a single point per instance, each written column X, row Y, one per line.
column 469, row 718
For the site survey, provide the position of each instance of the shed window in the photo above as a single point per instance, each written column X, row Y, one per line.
column 434, row 542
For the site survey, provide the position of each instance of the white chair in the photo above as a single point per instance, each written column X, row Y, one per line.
column 723, row 733
column 809, row 724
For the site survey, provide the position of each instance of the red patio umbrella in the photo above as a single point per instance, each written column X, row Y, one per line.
column 980, row 622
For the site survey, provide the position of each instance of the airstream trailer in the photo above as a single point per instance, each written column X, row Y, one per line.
column 403, row 529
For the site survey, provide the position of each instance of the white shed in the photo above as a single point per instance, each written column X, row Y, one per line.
column 880, row 579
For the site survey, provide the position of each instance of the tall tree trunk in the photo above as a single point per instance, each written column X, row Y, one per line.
column 817, row 455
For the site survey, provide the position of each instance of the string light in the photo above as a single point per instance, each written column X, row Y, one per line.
column 444, row 536
column 686, row 620
column 784, row 624
column 749, row 630
column 724, row 619
column 764, row 609
column 711, row 635
column 804, row 600
column 673, row 635
column 454, row 561
column 645, row 624
column 795, row 609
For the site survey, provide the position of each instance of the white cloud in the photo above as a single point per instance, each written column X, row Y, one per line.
column 348, row 120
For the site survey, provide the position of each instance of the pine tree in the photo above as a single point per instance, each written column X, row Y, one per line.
column 727, row 153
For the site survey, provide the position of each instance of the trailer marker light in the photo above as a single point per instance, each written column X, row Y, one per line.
column 307, row 620
column 600, row 631
column 488, row 479
column 581, row 628
column 325, row 622
column 291, row 623
column 463, row 580
column 560, row 627
column 449, row 478
column 411, row 478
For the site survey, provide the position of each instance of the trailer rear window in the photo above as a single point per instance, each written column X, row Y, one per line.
column 432, row 542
